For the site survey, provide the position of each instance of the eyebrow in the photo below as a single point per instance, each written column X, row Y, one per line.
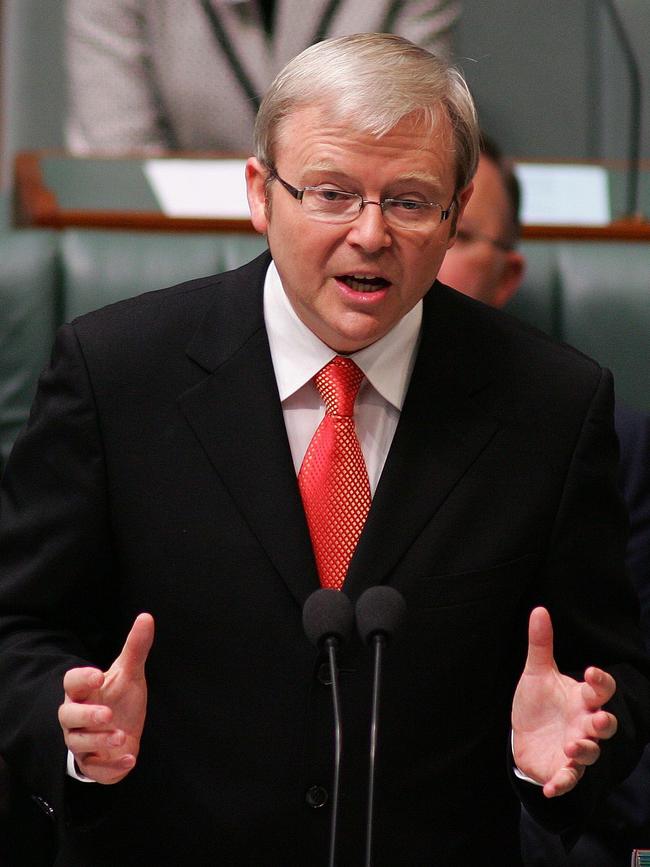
column 420, row 177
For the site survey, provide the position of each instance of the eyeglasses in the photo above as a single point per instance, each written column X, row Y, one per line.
column 465, row 237
column 331, row 205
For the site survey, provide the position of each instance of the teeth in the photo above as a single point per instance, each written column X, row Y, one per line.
column 363, row 283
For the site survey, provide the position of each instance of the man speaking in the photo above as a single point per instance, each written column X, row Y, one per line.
column 327, row 415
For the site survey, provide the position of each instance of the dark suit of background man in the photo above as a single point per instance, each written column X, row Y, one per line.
column 158, row 474
column 486, row 264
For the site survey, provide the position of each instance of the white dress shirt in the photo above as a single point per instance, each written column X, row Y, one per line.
column 298, row 355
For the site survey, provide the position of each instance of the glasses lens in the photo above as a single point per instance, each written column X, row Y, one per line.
column 336, row 206
column 331, row 205
column 411, row 214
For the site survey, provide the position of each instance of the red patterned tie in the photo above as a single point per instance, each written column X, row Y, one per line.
column 333, row 478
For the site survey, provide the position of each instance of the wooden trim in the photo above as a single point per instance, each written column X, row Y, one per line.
column 142, row 221
column 619, row 230
column 36, row 205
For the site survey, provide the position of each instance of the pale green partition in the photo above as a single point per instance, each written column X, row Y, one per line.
column 99, row 267
column 538, row 299
column 606, row 311
column 28, row 314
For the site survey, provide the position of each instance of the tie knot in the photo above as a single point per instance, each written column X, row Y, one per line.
column 338, row 383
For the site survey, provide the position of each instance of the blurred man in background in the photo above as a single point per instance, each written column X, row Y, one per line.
column 159, row 75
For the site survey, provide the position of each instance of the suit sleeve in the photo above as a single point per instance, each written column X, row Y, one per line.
column 55, row 568
column 595, row 610
column 633, row 429
column 113, row 103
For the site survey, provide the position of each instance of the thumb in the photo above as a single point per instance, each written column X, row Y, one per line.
column 137, row 646
column 540, row 641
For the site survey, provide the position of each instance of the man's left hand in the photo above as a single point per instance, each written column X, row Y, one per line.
column 557, row 721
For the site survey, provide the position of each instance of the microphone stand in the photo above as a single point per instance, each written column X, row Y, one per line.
column 632, row 211
column 379, row 642
column 327, row 618
column 379, row 611
column 330, row 644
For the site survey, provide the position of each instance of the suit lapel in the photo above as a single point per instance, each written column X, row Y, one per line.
column 235, row 412
column 441, row 432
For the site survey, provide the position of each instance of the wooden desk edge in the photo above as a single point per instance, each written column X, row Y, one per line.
column 34, row 203
column 143, row 221
column 628, row 229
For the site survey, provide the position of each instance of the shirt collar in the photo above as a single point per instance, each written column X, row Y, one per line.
column 298, row 355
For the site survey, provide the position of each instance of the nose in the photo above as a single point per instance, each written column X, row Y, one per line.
column 370, row 231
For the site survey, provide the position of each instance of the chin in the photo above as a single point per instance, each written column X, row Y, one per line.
column 347, row 344
column 349, row 340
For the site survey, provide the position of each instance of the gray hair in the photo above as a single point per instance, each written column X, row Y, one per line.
column 374, row 80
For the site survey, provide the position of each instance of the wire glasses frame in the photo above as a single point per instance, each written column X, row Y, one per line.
column 331, row 205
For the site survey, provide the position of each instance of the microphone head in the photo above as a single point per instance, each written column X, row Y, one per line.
column 327, row 613
column 380, row 611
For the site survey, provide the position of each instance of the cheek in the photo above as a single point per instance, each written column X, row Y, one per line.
column 301, row 259
column 425, row 261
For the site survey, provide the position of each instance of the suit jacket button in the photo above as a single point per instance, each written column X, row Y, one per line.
column 316, row 796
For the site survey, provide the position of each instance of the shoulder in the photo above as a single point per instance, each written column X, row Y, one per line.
column 512, row 373
column 149, row 338
column 505, row 343
column 175, row 312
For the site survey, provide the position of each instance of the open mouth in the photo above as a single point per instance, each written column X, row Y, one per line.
column 363, row 284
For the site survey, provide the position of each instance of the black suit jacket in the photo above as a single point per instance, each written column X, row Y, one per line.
column 633, row 429
column 621, row 822
column 155, row 474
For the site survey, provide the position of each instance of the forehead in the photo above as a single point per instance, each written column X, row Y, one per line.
column 311, row 139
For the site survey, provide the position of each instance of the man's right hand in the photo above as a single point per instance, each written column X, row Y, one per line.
column 103, row 714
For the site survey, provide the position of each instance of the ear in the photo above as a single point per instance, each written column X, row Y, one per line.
column 512, row 275
column 256, row 175
column 463, row 198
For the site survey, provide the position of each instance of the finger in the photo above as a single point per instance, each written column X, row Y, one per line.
column 605, row 725
column 598, row 726
column 101, row 771
column 87, row 716
column 563, row 781
column 109, row 745
column 540, row 640
column 137, row 646
column 80, row 683
column 583, row 752
column 598, row 688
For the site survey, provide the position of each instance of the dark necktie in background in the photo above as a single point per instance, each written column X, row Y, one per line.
column 267, row 14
